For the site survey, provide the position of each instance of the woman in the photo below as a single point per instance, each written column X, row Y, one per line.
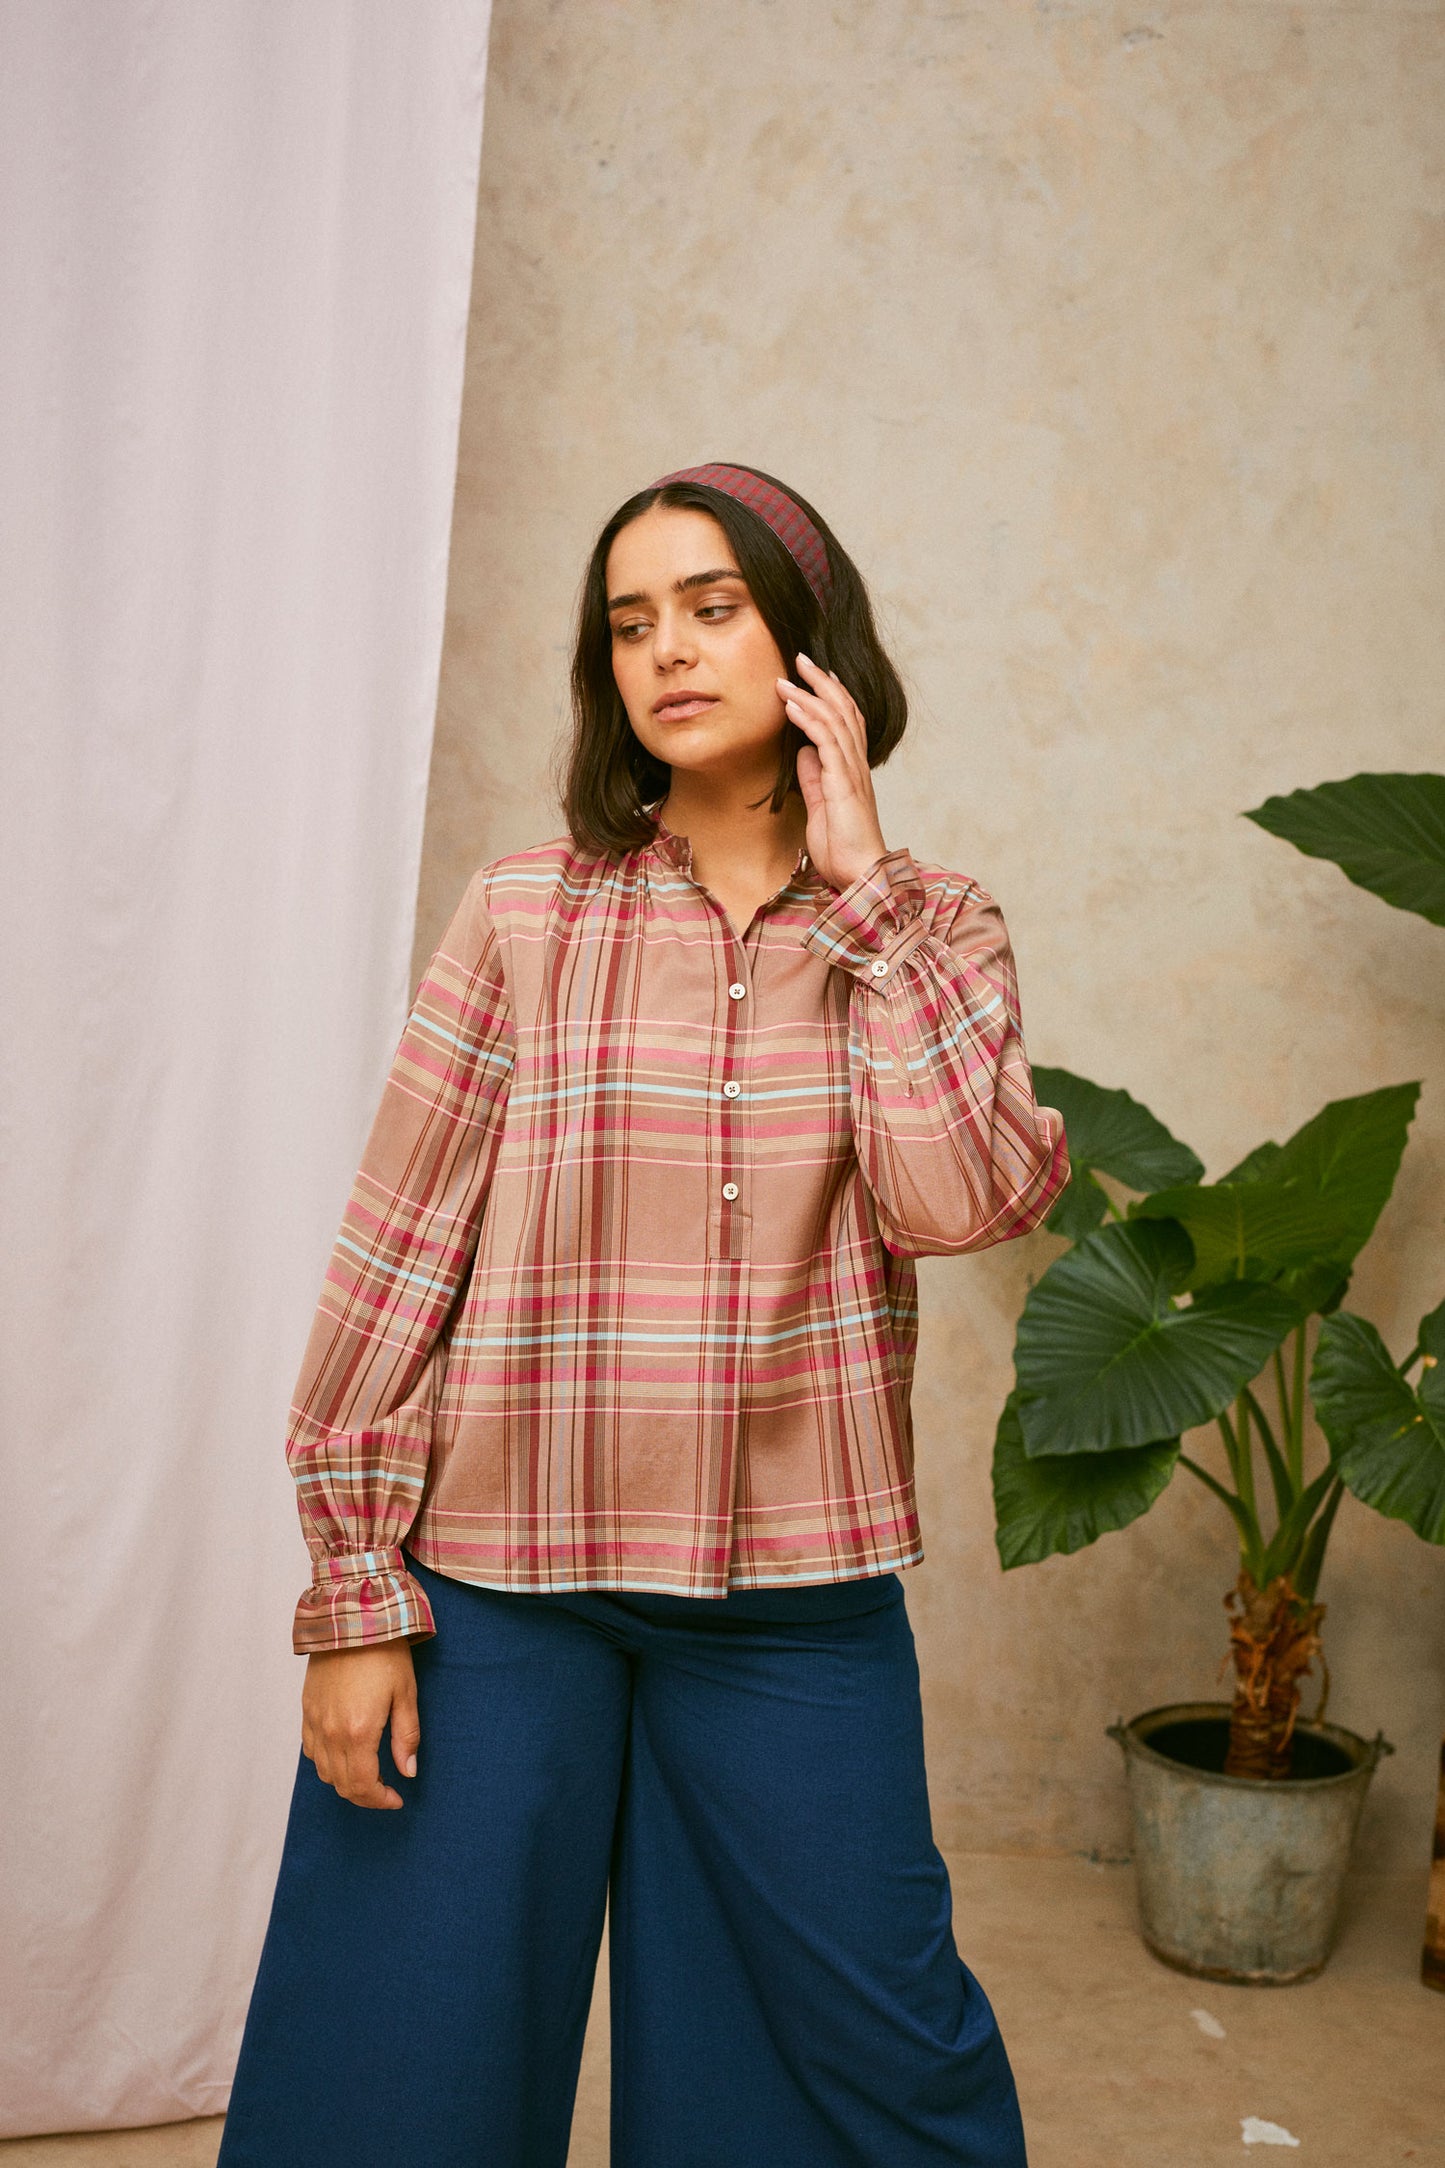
column 603, row 1444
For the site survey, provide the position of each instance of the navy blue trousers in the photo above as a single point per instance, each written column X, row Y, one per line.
column 746, row 1775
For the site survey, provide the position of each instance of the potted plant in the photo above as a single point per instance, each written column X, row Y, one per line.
column 1186, row 1303
column 1387, row 834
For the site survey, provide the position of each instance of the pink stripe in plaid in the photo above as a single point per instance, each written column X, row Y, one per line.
column 789, row 522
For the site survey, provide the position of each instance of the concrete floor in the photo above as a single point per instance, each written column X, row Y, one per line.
column 1114, row 2066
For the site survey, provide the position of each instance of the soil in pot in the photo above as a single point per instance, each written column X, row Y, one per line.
column 1202, row 1743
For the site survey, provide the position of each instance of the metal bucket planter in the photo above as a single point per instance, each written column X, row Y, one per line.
column 1240, row 1878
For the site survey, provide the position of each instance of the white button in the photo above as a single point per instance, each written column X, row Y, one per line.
column 730, row 1190
column 737, row 989
column 730, row 1091
column 878, row 969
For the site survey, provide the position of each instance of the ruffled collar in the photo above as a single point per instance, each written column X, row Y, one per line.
column 677, row 850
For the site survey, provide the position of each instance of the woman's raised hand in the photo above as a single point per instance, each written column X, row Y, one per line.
column 348, row 1696
column 844, row 837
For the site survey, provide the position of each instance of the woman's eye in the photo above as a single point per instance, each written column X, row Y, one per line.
column 717, row 609
column 628, row 632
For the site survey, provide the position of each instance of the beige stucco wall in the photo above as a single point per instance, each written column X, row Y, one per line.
column 1109, row 339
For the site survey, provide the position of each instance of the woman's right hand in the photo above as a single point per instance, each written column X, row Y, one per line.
column 348, row 1696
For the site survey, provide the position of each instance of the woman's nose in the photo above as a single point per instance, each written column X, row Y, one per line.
column 673, row 641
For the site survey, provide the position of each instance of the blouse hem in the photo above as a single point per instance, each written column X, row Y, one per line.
column 889, row 1561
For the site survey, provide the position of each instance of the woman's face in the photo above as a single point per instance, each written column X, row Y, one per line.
column 695, row 664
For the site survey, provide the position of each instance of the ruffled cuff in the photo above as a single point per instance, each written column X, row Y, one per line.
column 360, row 1597
column 867, row 927
column 359, row 1491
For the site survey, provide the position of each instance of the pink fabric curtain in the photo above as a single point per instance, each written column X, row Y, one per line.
column 235, row 263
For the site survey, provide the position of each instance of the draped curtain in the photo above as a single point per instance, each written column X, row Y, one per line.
column 235, row 259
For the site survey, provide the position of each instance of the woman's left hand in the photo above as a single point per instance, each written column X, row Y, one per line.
column 844, row 837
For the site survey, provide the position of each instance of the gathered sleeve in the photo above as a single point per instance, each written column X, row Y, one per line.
column 952, row 1145
column 359, row 1434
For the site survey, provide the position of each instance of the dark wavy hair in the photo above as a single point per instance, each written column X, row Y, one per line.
column 609, row 773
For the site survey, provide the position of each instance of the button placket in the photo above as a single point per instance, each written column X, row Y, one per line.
column 734, row 1226
column 731, row 1208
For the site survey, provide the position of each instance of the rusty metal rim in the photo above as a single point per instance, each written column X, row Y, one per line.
column 1364, row 1753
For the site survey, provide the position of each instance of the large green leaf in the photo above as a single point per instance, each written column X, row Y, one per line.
column 1104, row 1360
column 1349, row 1155
column 1388, row 1439
column 1386, row 832
column 1310, row 1202
column 1064, row 1501
column 1109, row 1131
column 1247, row 1230
column 1318, row 1288
column 1255, row 1166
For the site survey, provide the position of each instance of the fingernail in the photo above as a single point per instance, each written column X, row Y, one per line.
column 806, row 658
column 411, row 1765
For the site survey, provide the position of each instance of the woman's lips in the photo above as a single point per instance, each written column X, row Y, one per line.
column 677, row 711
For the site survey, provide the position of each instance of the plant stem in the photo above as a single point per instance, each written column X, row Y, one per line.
column 1251, row 1545
column 1286, row 1490
column 1262, row 1421
column 1210, row 1482
column 1307, row 1576
column 1244, row 1473
column 1286, row 1412
column 1231, row 1448
column 1296, row 1440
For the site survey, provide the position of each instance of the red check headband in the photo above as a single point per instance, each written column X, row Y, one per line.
column 789, row 522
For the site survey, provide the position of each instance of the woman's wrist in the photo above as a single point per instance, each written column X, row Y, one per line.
column 841, row 875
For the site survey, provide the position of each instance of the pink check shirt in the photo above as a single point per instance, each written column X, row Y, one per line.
column 624, row 1292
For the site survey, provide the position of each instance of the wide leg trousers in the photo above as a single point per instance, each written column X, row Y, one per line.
column 747, row 1778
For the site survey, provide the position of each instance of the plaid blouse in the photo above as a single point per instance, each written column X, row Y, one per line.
column 624, row 1292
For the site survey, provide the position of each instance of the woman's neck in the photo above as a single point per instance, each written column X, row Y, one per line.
column 732, row 840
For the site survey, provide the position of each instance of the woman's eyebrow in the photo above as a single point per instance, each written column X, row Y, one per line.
column 679, row 587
